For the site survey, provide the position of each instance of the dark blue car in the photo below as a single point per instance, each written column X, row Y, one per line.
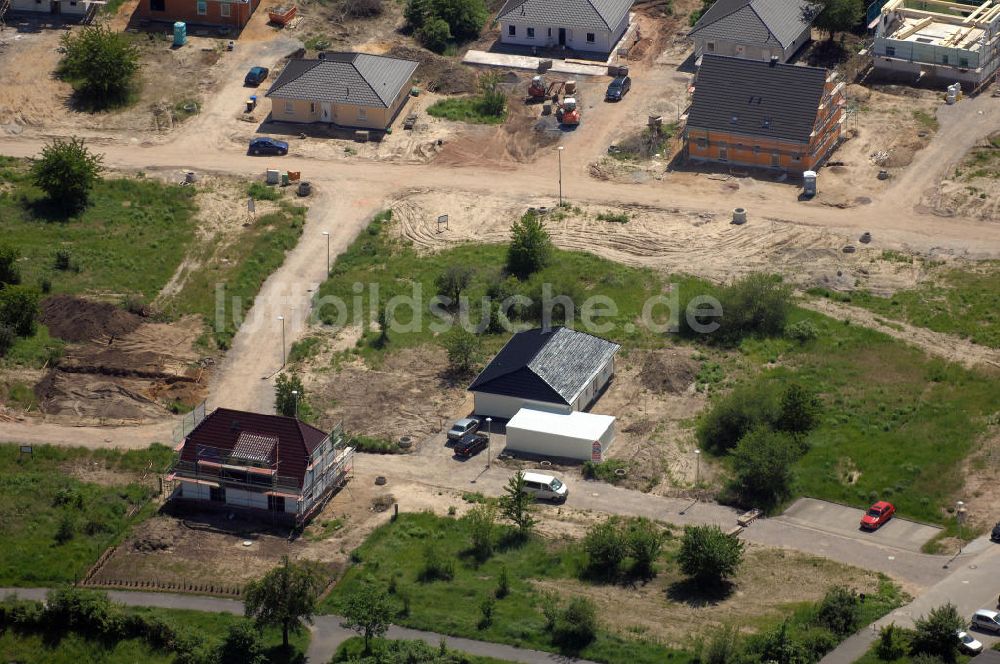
column 618, row 88
column 255, row 76
column 265, row 145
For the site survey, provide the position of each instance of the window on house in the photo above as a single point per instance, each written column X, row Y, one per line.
column 710, row 47
column 225, row 10
column 723, row 153
column 550, row 32
column 590, row 37
column 202, row 7
column 217, row 494
column 944, row 59
column 289, row 106
column 362, row 113
column 775, row 159
column 796, row 157
column 756, row 149
column 276, row 503
column 531, row 33
column 511, row 30
column 702, row 143
column 312, row 107
column 890, row 51
column 963, row 62
column 157, row 5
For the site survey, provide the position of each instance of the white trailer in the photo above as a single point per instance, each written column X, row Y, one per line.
column 575, row 435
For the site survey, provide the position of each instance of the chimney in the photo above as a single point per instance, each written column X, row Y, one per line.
column 774, row 60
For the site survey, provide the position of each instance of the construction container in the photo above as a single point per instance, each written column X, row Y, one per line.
column 570, row 87
column 293, row 176
column 180, row 34
column 273, row 176
column 284, row 179
column 809, row 183
column 282, row 15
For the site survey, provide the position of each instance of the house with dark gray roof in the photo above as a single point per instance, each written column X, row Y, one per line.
column 550, row 369
column 763, row 114
column 582, row 25
column 754, row 29
column 347, row 89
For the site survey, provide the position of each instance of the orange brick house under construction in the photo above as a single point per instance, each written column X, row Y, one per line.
column 763, row 114
column 232, row 14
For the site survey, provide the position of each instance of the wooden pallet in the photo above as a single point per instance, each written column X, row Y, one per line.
column 747, row 518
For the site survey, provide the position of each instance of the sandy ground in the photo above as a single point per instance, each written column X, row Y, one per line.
column 972, row 189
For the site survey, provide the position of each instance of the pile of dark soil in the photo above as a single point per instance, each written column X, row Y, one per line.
column 437, row 73
column 667, row 373
column 73, row 319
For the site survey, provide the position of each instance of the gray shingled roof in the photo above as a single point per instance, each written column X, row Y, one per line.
column 345, row 78
column 756, row 21
column 756, row 98
column 551, row 366
column 587, row 14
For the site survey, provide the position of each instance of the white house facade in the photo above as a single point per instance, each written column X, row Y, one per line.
column 581, row 25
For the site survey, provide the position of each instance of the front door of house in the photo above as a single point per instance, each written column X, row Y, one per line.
column 325, row 112
column 54, row 7
column 562, row 36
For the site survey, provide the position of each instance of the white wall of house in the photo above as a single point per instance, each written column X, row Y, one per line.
column 68, row 7
column 594, row 387
column 597, row 39
column 738, row 49
column 504, row 407
column 234, row 496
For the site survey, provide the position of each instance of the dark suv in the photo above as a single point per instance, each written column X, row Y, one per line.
column 617, row 88
column 995, row 535
column 471, row 443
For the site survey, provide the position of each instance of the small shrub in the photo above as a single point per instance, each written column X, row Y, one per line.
column 486, row 609
column 64, row 260
column 616, row 218
column 435, row 566
column 708, row 555
column 606, row 548
column 7, row 339
column 892, row 643
column 66, row 530
column 840, row 611
column 576, row 626
column 802, row 331
column 503, row 583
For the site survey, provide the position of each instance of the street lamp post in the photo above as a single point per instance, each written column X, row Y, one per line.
column 489, row 441
column 327, row 234
column 697, row 467
column 295, row 404
column 282, row 319
column 560, row 175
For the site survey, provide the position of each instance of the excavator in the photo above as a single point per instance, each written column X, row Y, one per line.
column 568, row 113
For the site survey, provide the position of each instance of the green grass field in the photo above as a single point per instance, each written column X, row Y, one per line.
column 73, row 648
column 129, row 240
column 354, row 649
column 38, row 493
column 464, row 109
column 963, row 302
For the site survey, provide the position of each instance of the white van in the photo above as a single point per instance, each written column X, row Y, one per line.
column 546, row 487
column 986, row 619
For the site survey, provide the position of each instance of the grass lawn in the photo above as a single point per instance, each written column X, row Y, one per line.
column 464, row 109
column 129, row 240
column 74, row 648
column 355, row 648
column 963, row 302
column 393, row 557
column 38, row 493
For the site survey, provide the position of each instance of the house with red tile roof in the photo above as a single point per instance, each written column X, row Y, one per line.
column 267, row 463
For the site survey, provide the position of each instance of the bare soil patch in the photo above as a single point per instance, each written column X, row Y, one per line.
column 75, row 319
column 973, row 188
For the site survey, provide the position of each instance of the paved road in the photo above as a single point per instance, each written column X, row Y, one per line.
column 327, row 634
column 973, row 584
column 844, row 520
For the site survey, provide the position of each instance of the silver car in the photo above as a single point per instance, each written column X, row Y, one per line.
column 462, row 427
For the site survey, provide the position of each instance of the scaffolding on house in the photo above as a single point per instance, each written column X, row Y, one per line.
column 250, row 471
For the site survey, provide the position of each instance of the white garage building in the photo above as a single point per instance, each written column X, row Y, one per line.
column 576, row 435
column 558, row 369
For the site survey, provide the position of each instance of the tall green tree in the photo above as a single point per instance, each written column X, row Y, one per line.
column 839, row 15
column 10, row 273
column 645, row 542
column 516, row 505
column 19, row 309
column 530, row 247
column 799, row 411
column 762, row 467
column 242, row 645
column 840, row 611
column 465, row 18
column 463, row 348
column 101, row 64
column 606, row 548
column 708, row 555
column 289, row 396
column 935, row 632
column 67, row 172
column 482, row 520
column 367, row 613
column 285, row 597
column 453, row 281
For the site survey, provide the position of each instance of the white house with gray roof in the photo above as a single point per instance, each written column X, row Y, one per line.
column 754, row 29
column 582, row 25
column 346, row 89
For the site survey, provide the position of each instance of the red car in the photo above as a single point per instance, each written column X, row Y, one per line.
column 877, row 515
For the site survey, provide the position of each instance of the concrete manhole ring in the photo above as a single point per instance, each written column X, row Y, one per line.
column 380, row 480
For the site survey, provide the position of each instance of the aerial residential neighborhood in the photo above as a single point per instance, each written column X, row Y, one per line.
column 480, row 331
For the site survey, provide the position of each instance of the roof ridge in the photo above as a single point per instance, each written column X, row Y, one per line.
column 752, row 4
column 278, row 84
column 735, row 9
column 601, row 14
column 354, row 63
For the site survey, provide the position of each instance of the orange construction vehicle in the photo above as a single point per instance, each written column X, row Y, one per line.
column 539, row 92
column 568, row 113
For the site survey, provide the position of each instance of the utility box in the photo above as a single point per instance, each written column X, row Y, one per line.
column 809, row 183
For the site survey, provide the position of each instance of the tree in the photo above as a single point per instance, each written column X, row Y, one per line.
column 482, row 520
column 465, row 18
column 242, row 645
column 799, row 411
column 19, row 309
column 758, row 304
column 284, row 597
column 735, row 415
column 708, row 555
column 493, row 99
column 516, row 505
column 644, row 541
column 7, row 339
column 838, row 15
column 289, row 395
column 892, row 643
column 452, row 281
column 576, row 626
column 762, row 467
column 840, row 611
column 434, row 34
column 724, row 647
column 383, row 320
column 367, row 613
column 100, row 63
column 66, row 172
column 779, row 647
column 935, row 632
column 530, row 247
column 10, row 274
column 463, row 350
column 606, row 548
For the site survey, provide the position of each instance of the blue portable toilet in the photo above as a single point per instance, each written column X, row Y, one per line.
column 180, row 33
